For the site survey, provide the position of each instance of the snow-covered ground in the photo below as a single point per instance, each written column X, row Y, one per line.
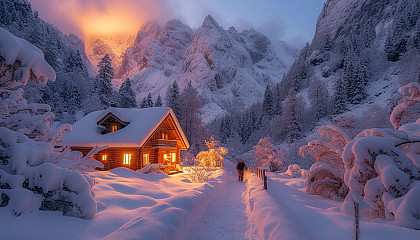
column 156, row 206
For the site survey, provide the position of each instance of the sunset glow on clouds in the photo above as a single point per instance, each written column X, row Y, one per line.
column 98, row 17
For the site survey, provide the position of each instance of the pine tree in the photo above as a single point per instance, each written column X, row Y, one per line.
column 277, row 99
column 158, row 102
column 340, row 98
column 127, row 98
column 172, row 99
column 74, row 103
column 191, row 104
column 318, row 98
column 102, row 84
column 268, row 103
column 292, row 117
column 149, row 101
column 143, row 103
column 225, row 129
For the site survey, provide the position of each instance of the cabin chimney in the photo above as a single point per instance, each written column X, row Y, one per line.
column 113, row 104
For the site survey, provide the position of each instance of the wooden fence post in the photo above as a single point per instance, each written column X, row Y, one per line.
column 356, row 221
column 265, row 182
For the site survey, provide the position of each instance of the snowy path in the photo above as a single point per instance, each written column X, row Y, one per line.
column 225, row 218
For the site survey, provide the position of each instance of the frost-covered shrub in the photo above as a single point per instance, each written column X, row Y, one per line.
column 295, row 171
column 213, row 157
column 28, row 182
column 412, row 96
column 199, row 173
column 151, row 168
column 30, row 177
column 383, row 167
column 325, row 181
column 268, row 156
column 325, row 177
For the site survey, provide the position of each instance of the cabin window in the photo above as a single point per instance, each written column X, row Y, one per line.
column 127, row 158
column 164, row 136
column 173, row 157
column 114, row 127
column 104, row 157
column 145, row 159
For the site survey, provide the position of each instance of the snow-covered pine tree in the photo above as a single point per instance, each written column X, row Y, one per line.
column 225, row 129
column 268, row 108
column 143, row 103
column 354, row 78
column 191, row 104
column 158, row 102
column 102, row 84
column 74, row 102
column 340, row 97
column 172, row 99
column 277, row 99
column 319, row 98
column 149, row 101
column 292, row 117
column 127, row 98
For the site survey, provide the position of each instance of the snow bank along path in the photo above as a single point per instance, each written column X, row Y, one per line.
column 294, row 214
column 225, row 217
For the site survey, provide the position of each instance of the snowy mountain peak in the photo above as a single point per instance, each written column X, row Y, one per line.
column 209, row 22
column 230, row 69
column 149, row 30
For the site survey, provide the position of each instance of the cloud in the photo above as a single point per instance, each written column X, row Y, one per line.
column 98, row 17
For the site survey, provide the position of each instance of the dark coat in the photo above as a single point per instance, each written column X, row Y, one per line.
column 241, row 166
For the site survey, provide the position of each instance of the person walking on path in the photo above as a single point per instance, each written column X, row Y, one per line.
column 241, row 167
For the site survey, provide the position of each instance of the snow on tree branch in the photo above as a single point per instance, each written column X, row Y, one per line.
column 411, row 94
column 20, row 62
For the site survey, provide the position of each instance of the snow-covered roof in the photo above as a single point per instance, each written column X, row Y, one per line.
column 142, row 124
column 114, row 112
column 13, row 48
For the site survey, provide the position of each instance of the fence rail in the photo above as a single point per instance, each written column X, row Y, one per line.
column 260, row 174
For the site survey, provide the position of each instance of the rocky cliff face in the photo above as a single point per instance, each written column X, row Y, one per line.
column 230, row 69
column 373, row 41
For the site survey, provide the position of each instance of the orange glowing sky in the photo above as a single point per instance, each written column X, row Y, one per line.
column 98, row 18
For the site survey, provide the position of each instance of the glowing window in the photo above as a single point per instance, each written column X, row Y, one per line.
column 145, row 159
column 164, row 136
column 127, row 158
column 104, row 157
column 114, row 128
column 173, row 157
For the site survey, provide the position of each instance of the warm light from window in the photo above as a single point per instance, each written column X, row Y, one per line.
column 114, row 128
column 164, row 136
column 145, row 159
column 104, row 157
column 127, row 158
column 173, row 157
column 165, row 156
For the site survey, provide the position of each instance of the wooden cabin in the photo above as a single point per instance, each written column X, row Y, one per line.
column 135, row 137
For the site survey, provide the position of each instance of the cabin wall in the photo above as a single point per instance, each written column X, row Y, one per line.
column 115, row 157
